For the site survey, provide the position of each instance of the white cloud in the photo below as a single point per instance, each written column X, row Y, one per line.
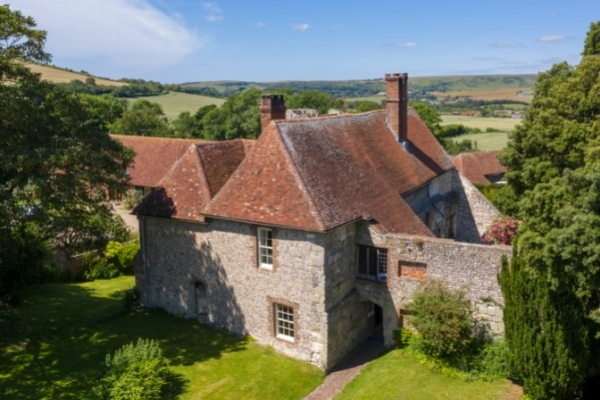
column 554, row 38
column 301, row 27
column 506, row 44
column 259, row 24
column 215, row 12
column 551, row 15
column 405, row 45
column 111, row 36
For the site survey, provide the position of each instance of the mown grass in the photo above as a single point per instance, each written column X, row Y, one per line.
column 71, row 327
column 174, row 103
column 397, row 375
column 487, row 141
column 503, row 124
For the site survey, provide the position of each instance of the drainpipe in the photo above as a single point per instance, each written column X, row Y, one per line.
column 143, row 240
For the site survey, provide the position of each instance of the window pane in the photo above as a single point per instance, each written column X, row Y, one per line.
column 285, row 321
column 362, row 261
column 372, row 263
column 383, row 261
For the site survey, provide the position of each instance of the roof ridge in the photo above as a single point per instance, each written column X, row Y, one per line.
column 174, row 166
column 300, row 181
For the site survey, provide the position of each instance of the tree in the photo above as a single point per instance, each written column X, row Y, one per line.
column 320, row 101
column 554, row 177
column 592, row 41
column 104, row 110
column 238, row 117
column 429, row 115
column 57, row 168
column 143, row 118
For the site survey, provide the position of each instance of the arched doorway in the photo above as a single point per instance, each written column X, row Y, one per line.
column 374, row 320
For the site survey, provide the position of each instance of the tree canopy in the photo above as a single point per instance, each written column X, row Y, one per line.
column 57, row 167
column 554, row 178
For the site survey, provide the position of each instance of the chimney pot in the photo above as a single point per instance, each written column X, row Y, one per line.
column 396, row 104
column 272, row 107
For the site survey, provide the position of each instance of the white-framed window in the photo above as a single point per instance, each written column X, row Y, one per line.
column 265, row 248
column 372, row 263
column 284, row 322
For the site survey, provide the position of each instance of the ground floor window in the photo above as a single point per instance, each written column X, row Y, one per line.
column 284, row 322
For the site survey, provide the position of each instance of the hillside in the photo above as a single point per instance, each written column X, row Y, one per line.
column 489, row 86
column 174, row 103
column 61, row 75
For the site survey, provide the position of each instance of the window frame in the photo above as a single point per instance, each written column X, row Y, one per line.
column 269, row 250
column 284, row 324
column 372, row 264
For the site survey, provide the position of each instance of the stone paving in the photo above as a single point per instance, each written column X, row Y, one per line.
column 347, row 369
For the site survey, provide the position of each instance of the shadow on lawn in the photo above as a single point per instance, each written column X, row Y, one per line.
column 84, row 329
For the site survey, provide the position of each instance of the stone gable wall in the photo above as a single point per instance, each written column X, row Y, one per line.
column 221, row 255
column 475, row 212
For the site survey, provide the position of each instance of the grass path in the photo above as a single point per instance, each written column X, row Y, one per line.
column 71, row 327
column 396, row 376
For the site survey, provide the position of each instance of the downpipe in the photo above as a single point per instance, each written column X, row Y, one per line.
column 143, row 240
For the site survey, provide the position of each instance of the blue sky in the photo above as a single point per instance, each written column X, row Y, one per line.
column 176, row 41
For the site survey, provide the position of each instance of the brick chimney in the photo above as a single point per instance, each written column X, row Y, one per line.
column 272, row 107
column 396, row 104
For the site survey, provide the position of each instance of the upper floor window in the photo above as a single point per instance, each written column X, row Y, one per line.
column 265, row 248
column 372, row 263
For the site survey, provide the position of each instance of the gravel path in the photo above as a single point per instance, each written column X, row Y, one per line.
column 347, row 370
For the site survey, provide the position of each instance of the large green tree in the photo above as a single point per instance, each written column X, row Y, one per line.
column 57, row 168
column 142, row 118
column 554, row 178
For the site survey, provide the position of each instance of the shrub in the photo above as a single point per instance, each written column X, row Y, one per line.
column 100, row 268
column 132, row 198
column 122, row 255
column 443, row 318
column 501, row 231
column 136, row 371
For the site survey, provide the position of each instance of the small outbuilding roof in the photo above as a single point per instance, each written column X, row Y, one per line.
column 477, row 166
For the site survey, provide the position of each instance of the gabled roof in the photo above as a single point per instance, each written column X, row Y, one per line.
column 154, row 157
column 477, row 165
column 194, row 180
column 318, row 174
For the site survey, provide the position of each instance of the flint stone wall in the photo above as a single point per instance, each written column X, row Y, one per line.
column 468, row 266
column 240, row 295
column 475, row 214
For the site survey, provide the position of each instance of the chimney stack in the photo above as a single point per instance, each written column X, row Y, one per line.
column 272, row 107
column 396, row 104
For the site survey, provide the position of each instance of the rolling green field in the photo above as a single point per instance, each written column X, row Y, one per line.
column 174, row 103
column 61, row 75
column 69, row 329
column 487, row 141
column 503, row 124
column 396, row 376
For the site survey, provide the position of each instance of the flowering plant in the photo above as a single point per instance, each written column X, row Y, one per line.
column 501, row 231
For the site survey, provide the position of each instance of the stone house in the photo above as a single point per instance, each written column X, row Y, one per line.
column 316, row 236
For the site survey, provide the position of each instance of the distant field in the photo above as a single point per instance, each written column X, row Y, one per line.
column 496, row 94
column 61, row 76
column 376, row 99
column 504, row 124
column 487, row 141
column 174, row 102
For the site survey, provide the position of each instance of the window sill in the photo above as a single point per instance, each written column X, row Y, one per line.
column 370, row 280
column 287, row 339
column 266, row 266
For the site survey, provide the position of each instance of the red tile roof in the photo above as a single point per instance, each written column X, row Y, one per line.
column 154, row 157
column 194, row 180
column 320, row 173
column 475, row 166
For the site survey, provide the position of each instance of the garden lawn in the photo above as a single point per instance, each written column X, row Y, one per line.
column 69, row 329
column 397, row 375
